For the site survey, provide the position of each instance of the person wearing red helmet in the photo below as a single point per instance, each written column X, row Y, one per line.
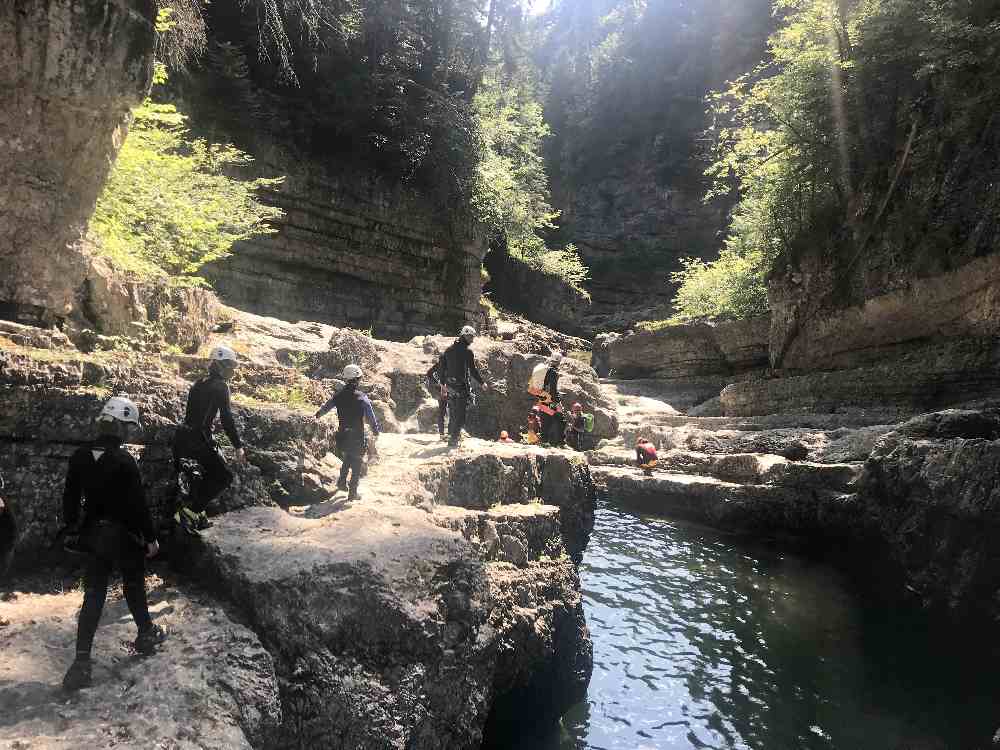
column 576, row 428
column 645, row 456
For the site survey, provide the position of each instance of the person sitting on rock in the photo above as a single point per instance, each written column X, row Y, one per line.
column 208, row 398
column 8, row 533
column 353, row 408
column 645, row 456
column 435, row 377
column 576, row 428
column 505, row 437
column 116, row 531
column 459, row 364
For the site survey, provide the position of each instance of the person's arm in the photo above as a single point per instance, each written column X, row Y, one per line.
column 226, row 415
column 433, row 373
column 326, row 408
column 72, row 493
column 473, row 369
column 370, row 416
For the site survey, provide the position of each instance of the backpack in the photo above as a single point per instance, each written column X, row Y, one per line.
column 536, row 383
column 588, row 422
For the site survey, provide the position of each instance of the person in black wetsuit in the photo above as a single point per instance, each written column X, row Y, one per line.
column 435, row 381
column 459, row 364
column 353, row 408
column 8, row 533
column 116, row 530
column 208, row 398
column 551, row 385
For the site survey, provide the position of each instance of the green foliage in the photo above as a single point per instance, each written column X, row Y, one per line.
column 731, row 287
column 512, row 190
column 868, row 136
column 172, row 204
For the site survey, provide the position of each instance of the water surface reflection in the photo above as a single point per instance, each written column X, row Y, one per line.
column 707, row 641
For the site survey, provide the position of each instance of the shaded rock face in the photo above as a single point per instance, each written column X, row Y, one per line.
column 70, row 72
column 541, row 297
column 354, row 251
column 211, row 685
column 930, row 488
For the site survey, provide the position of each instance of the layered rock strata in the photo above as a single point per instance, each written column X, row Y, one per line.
column 352, row 250
column 69, row 73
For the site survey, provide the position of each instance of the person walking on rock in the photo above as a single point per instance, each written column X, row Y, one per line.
column 435, row 381
column 207, row 399
column 459, row 364
column 353, row 409
column 116, row 531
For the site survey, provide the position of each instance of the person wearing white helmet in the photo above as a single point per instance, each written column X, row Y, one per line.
column 353, row 409
column 105, row 512
column 458, row 363
column 209, row 398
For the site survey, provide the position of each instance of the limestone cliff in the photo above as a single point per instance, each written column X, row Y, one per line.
column 69, row 72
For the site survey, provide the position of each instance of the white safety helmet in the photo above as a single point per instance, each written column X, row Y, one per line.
column 222, row 354
column 351, row 372
column 556, row 358
column 121, row 409
column 468, row 331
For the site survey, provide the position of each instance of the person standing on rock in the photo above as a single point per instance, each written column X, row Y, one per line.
column 8, row 533
column 208, row 398
column 551, row 385
column 353, row 409
column 116, row 531
column 459, row 364
column 435, row 382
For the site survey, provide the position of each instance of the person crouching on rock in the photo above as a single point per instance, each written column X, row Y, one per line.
column 505, row 437
column 116, row 531
column 353, row 408
column 459, row 364
column 645, row 456
column 208, row 398
column 436, row 384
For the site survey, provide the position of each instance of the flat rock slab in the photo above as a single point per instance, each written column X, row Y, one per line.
column 211, row 685
column 756, row 508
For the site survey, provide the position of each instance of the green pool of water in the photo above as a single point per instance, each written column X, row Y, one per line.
column 703, row 640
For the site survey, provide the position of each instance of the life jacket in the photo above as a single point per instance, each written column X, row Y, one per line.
column 536, row 383
column 546, row 410
column 588, row 422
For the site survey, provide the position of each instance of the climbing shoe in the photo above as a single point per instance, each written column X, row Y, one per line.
column 78, row 676
column 442, row 437
column 354, row 496
column 149, row 639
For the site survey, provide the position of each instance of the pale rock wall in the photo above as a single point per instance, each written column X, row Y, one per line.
column 69, row 72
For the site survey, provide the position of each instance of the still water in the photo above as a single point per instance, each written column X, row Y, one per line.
column 702, row 640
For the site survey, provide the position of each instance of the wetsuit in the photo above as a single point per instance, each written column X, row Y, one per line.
column 459, row 364
column 551, row 384
column 207, row 399
column 576, row 432
column 434, row 376
column 115, row 529
column 8, row 533
column 353, row 409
